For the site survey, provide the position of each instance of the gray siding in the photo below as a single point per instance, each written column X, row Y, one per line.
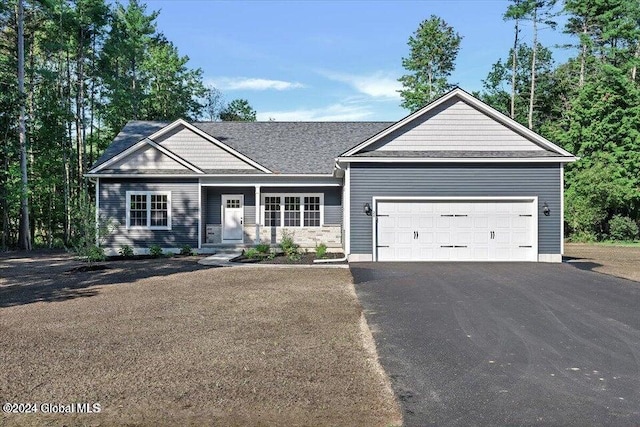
column 184, row 212
column 542, row 180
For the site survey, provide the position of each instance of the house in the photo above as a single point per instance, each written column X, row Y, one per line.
column 456, row 181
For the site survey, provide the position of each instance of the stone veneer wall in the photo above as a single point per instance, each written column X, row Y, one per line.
column 306, row 237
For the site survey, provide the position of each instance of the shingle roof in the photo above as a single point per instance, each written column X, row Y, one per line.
column 131, row 133
column 282, row 147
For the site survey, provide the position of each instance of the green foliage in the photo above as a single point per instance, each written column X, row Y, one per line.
column 497, row 86
column 125, row 251
column 144, row 76
column 155, row 251
column 594, row 192
column 321, row 251
column 263, row 248
column 95, row 254
column 433, row 47
column 238, row 110
column 622, row 228
column 86, row 232
column 186, row 250
column 289, row 247
column 252, row 253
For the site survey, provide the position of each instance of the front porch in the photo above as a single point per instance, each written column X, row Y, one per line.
column 243, row 216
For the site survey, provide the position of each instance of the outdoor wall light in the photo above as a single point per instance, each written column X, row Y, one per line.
column 367, row 209
column 545, row 209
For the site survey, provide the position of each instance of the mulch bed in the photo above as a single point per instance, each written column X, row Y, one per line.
column 305, row 259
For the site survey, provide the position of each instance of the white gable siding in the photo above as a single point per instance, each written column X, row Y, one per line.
column 454, row 126
column 147, row 158
column 200, row 152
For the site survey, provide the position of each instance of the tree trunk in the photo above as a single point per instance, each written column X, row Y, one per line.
column 514, row 64
column 92, row 98
column 634, row 69
column 583, row 56
column 67, row 156
column 80, row 130
column 5, row 192
column 24, row 234
column 532, row 93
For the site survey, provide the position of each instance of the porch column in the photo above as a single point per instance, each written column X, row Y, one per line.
column 257, row 214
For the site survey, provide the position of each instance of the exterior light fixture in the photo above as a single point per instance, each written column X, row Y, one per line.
column 545, row 209
column 367, row 209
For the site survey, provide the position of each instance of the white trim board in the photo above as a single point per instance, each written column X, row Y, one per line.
column 456, row 159
column 474, row 102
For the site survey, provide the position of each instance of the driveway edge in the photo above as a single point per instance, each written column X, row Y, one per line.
column 369, row 345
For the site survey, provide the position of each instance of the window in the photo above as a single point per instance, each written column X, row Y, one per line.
column 312, row 211
column 272, row 211
column 292, row 210
column 233, row 203
column 149, row 209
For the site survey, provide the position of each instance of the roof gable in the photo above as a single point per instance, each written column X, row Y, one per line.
column 146, row 157
column 457, row 122
column 200, row 151
column 454, row 125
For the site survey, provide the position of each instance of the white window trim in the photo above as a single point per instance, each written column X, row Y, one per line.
column 282, row 196
column 148, row 194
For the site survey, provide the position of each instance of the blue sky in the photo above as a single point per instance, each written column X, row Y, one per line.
column 329, row 60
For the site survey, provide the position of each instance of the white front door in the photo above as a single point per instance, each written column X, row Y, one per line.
column 460, row 230
column 232, row 217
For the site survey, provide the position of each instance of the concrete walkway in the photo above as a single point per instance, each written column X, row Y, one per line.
column 222, row 259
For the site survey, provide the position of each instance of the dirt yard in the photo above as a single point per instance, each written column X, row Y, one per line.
column 171, row 342
column 620, row 261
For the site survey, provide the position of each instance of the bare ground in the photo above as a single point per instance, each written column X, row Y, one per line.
column 171, row 342
column 619, row 261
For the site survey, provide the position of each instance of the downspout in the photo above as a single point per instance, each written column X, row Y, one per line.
column 96, row 181
column 337, row 170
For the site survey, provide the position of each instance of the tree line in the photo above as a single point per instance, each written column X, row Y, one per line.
column 589, row 104
column 72, row 73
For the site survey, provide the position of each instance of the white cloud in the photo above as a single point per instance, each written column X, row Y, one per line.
column 245, row 83
column 376, row 85
column 340, row 112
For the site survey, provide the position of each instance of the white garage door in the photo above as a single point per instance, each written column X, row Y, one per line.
column 466, row 230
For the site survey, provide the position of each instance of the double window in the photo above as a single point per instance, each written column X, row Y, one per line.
column 292, row 210
column 149, row 209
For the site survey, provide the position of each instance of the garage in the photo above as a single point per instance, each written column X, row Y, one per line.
column 455, row 229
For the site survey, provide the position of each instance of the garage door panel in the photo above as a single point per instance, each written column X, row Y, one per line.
column 425, row 222
column 443, row 222
column 457, row 231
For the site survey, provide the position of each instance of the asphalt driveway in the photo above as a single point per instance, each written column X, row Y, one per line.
column 505, row 343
